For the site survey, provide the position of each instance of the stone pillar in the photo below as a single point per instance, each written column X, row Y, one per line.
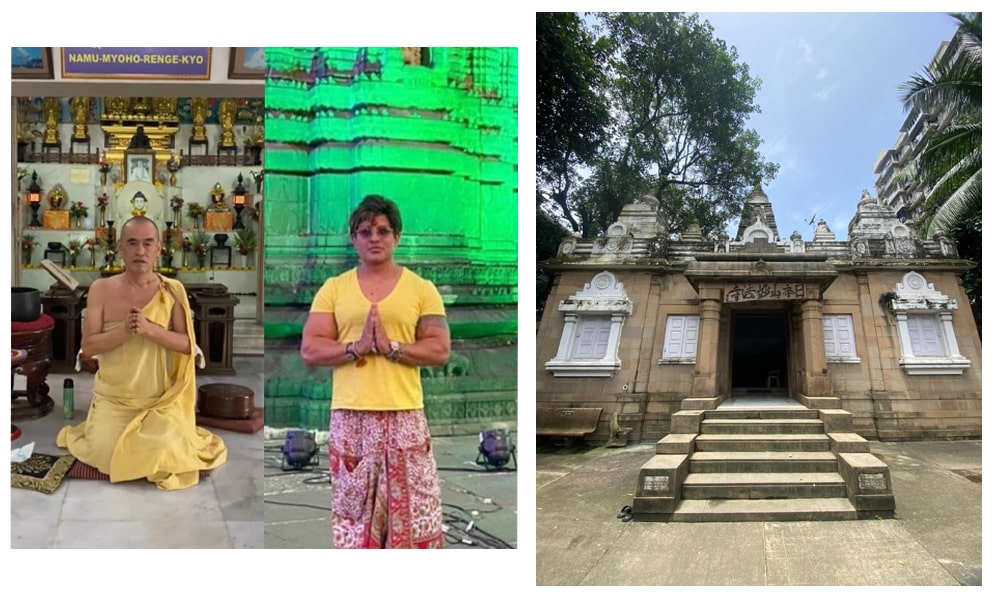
column 950, row 342
column 614, row 336
column 706, row 365
column 817, row 381
column 566, row 341
column 906, row 347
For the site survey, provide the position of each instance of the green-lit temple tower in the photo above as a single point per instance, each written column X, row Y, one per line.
column 434, row 130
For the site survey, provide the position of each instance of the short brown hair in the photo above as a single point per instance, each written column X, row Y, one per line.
column 372, row 206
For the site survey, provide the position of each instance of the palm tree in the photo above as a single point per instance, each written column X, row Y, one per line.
column 950, row 160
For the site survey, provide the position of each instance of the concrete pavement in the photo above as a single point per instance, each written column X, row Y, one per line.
column 935, row 539
column 297, row 503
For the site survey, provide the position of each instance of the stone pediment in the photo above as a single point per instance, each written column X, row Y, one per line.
column 914, row 292
column 604, row 294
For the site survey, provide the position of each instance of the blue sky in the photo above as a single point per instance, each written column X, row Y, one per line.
column 829, row 100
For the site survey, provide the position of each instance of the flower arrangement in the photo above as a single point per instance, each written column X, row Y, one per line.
column 102, row 201
column 176, row 202
column 78, row 210
column 199, row 244
column 173, row 165
column 75, row 247
column 195, row 211
column 91, row 245
column 110, row 256
column 103, row 165
column 167, row 252
column 258, row 179
column 246, row 241
column 28, row 242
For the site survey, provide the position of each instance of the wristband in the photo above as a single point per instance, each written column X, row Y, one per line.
column 349, row 351
column 395, row 351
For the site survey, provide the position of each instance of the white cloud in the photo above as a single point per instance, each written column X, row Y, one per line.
column 806, row 54
column 824, row 93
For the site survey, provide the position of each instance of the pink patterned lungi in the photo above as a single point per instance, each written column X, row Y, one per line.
column 385, row 485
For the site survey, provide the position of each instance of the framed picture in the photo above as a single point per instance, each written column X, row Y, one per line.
column 139, row 165
column 31, row 63
column 246, row 63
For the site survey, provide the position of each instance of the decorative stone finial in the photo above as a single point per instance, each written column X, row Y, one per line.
column 692, row 233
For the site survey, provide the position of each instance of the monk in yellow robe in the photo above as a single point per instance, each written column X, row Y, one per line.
column 141, row 422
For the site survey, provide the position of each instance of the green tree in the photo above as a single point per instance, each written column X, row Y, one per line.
column 950, row 163
column 548, row 235
column 681, row 101
column 571, row 116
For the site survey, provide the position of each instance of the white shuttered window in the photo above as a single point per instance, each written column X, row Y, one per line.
column 681, row 339
column 592, row 337
column 925, row 335
column 838, row 336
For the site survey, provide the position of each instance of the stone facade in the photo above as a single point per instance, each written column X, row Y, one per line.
column 878, row 325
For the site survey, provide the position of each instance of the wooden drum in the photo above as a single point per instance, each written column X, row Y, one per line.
column 225, row 401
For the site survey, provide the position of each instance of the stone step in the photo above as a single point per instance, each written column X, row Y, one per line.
column 798, row 509
column 745, row 442
column 735, row 426
column 248, row 337
column 762, row 413
column 763, row 462
column 751, row 486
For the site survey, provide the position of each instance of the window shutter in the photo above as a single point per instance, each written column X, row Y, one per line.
column 925, row 335
column 829, row 337
column 681, row 337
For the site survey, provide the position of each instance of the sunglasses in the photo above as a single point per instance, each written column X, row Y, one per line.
column 367, row 233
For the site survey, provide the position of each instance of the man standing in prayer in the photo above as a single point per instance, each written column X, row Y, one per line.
column 376, row 325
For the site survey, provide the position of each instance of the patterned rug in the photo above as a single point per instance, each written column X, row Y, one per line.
column 41, row 472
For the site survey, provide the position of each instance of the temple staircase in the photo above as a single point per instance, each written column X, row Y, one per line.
column 787, row 463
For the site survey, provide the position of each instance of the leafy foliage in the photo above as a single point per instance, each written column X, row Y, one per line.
column 571, row 114
column 678, row 102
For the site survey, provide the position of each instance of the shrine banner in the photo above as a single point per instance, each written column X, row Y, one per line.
column 744, row 292
column 137, row 63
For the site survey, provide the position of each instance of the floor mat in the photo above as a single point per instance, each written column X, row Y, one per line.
column 41, row 472
column 82, row 470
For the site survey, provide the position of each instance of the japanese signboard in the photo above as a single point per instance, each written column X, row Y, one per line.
column 745, row 292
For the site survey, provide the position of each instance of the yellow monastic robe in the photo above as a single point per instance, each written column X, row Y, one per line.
column 141, row 421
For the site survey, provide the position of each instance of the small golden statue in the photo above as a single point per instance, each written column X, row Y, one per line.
column 199, row 112
column 80, row 107
column 115, row 108
column 57, row 197
column 165, row 109
column 51, row 109
column 227, row 117
column 217, row 195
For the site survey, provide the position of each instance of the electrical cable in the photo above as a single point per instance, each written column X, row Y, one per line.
column 326, row 508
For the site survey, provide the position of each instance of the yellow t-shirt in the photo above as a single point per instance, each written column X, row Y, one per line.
column 378, row 383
